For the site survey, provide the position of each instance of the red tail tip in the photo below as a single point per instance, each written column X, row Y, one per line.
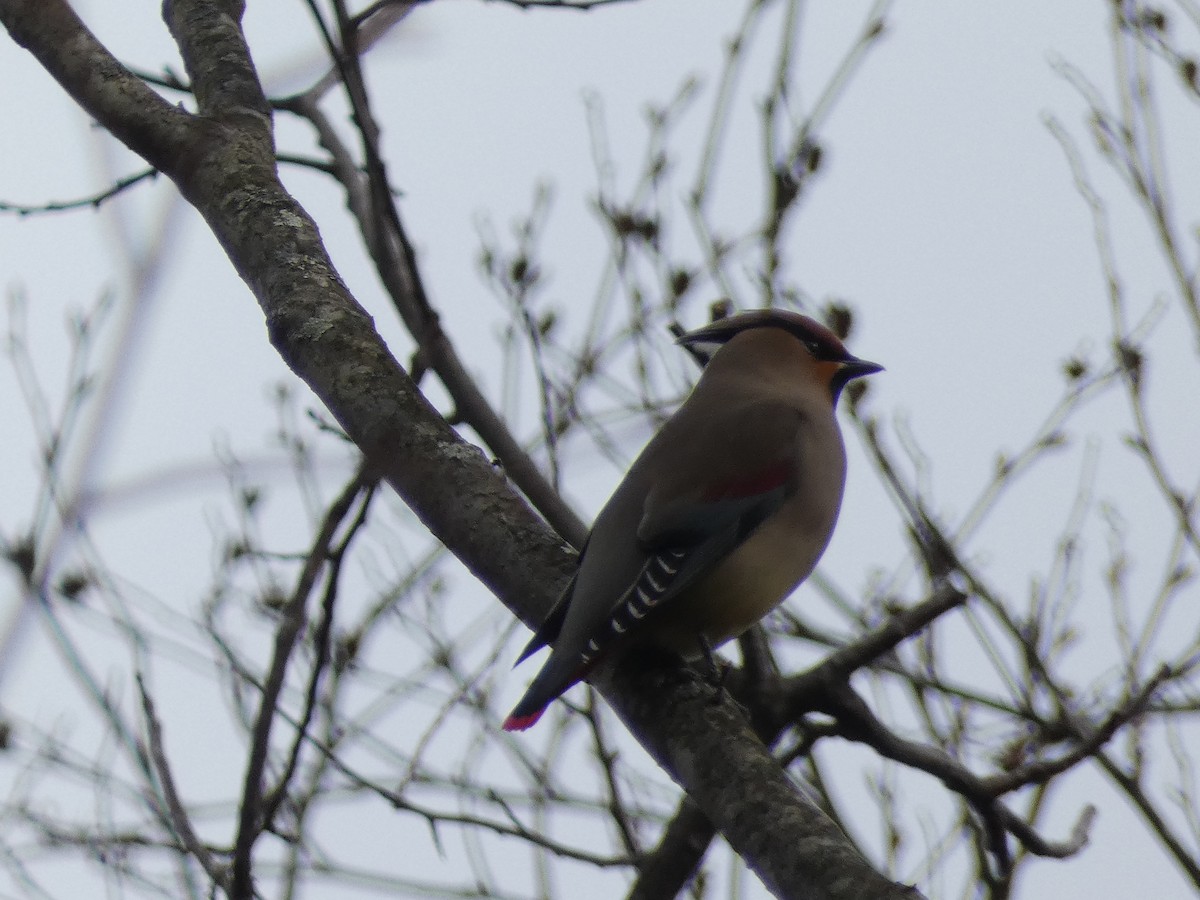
column 520, row 723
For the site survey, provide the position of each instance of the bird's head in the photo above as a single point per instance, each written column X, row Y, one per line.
column 834, row 362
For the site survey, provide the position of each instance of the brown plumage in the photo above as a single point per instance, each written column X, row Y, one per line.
column 724, row 513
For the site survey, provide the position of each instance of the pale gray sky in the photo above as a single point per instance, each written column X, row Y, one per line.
column 946, row 214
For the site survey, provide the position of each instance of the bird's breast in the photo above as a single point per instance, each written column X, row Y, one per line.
column 765, row 568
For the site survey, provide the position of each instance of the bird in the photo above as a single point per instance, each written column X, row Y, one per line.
column 725, row 511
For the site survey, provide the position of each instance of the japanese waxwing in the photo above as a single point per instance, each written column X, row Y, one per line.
column 724, row 513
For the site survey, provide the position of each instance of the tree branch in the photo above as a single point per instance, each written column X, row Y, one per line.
column 223, row 162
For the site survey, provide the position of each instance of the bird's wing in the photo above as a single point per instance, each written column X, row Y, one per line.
column 547, row 632
column 702, row 510
column 688, row 537
column 692, row 517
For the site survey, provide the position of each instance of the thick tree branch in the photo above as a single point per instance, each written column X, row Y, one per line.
column 668, row 868
column 125, row 106
column 384, row 235
column 223, row 162
column 700, row 735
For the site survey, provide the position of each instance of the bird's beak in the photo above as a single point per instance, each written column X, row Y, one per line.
column 856, row 368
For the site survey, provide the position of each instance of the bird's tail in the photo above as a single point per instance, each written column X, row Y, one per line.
column 556, row 676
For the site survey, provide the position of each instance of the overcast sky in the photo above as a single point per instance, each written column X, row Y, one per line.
column 945, row 214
